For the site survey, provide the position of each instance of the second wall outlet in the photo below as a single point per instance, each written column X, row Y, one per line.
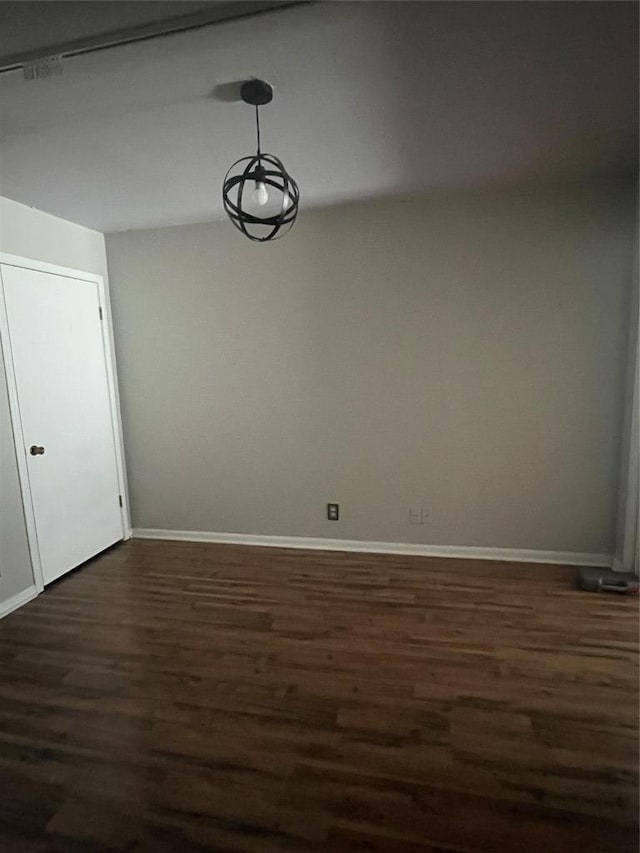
column 418, row 515
column 333, row 512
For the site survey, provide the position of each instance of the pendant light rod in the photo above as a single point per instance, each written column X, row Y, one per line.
column 258, row 127
column 257, row 93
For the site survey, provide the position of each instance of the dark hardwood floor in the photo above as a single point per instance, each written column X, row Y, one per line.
column 192, row 697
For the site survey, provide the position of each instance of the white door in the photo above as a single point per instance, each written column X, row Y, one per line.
column 57, row 350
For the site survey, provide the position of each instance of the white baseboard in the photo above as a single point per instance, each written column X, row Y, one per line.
column 619, row 566
column 516, row 555
column 17, row 600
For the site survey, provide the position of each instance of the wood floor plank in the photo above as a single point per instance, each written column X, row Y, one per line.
column 191, row 696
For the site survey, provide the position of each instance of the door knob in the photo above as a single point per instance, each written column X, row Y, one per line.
column 35, row 450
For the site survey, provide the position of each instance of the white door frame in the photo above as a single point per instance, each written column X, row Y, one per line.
column 14, row 406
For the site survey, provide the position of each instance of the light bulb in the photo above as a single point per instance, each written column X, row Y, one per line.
column 260, row 194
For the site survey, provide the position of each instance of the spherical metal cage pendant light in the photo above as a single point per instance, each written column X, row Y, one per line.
column 259, row 196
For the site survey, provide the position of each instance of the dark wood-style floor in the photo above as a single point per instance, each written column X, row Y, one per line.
column 192, row 697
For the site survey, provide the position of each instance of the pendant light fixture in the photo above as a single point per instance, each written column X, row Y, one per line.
column 259, row 196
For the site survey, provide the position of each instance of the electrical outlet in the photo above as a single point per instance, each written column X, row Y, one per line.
column 333, row 512
column 418, row 515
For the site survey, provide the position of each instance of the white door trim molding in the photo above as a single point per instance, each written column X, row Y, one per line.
column 18, row 600
column 464, row 552
column 14, row 407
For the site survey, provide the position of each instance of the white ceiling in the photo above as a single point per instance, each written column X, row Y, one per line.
column 371, row 99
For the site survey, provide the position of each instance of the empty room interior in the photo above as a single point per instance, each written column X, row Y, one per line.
column 319, row 444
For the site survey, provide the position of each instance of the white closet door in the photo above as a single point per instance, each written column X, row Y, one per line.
column 56, row 345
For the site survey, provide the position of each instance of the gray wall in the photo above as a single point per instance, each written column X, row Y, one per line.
column 464, row 353
column 37, row 236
